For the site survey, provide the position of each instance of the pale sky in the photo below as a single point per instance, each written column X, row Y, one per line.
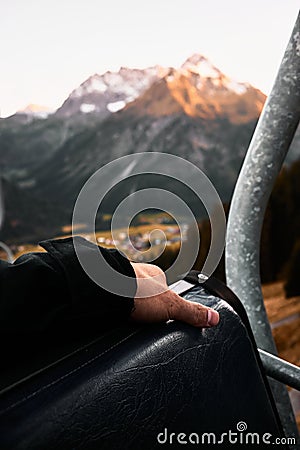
column 47, row 48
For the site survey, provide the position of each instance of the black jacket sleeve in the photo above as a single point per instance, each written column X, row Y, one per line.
column 51, row 291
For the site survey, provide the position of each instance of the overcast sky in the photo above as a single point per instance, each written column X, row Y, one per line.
column 49, row 47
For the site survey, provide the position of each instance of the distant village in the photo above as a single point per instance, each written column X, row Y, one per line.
column 144, row 241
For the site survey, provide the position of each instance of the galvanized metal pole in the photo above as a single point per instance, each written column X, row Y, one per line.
column 281, row 370
column 270, row 143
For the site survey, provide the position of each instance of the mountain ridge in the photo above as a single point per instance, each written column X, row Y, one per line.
column 197, row 78
column 195, row 112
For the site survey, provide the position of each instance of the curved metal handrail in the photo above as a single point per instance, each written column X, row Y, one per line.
column 268, row 148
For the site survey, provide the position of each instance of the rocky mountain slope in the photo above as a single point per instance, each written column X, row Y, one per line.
column 110, row 92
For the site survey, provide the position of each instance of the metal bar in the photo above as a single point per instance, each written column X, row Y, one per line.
column 280, row 370
column 270, row 143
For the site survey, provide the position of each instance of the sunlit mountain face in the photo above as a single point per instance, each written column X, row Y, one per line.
column 201, row 90
column 197, row 87
column 194, row 111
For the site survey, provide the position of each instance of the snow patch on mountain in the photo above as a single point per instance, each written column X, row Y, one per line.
column 235, row 86
column 93, row 84
column 87, row 108
column 128, row 83
column 116, row 106
column 111, row 91
column 201, row 66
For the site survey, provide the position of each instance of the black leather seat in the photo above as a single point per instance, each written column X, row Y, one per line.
column 132, row 387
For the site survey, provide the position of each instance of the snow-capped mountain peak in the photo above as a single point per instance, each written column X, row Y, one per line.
column 201, row 66
column 198, row 86
column 94, row 83
column 111, row 91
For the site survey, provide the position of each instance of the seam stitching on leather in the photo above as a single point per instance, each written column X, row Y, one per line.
column 51, row 365
column 66, row 375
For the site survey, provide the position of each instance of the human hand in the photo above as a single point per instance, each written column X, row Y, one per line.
column 155, row 302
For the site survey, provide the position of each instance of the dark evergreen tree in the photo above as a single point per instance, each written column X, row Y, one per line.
column 292, row 285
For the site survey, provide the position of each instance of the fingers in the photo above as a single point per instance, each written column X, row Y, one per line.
column 191, row 313
column 143, row 270
column 155, row 302
column 151, row 280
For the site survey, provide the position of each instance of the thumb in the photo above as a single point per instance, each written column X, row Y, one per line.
column 192, row 313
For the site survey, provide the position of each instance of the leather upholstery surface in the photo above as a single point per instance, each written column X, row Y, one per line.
column 132, row 383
